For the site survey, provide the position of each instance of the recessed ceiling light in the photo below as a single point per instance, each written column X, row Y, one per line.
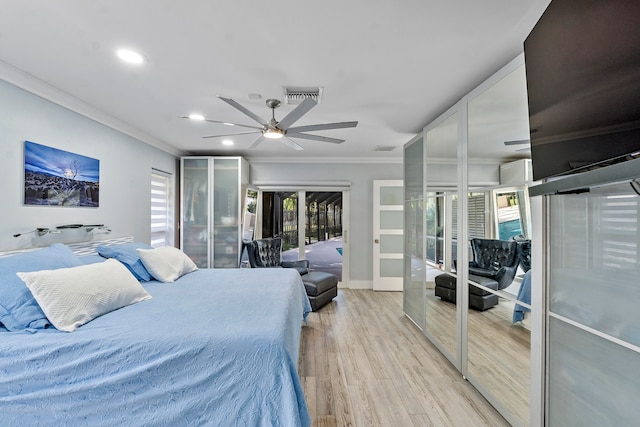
column 130, row 56
column 227, row 142
column 198, row 117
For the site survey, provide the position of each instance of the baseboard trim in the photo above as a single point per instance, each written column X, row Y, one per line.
column 360, row 284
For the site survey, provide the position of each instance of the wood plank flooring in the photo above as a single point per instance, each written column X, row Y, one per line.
column 499, row 352
column 363, row 363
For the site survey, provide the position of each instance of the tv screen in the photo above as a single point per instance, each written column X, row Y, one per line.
column 582, row 60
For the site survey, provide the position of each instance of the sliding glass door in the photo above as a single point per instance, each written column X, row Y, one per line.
column 310, row 224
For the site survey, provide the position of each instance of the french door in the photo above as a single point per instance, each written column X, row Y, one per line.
column 388, row 235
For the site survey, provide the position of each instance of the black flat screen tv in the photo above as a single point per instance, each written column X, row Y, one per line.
column 582, row 61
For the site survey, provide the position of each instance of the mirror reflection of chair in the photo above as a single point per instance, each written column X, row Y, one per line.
column 321, row 287
column 524, row 252
column 494, row 266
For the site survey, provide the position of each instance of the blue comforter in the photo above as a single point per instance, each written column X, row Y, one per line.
column 217, row 347
column 524, row 296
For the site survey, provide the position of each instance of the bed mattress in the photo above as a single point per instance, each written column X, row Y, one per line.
column 217, row 347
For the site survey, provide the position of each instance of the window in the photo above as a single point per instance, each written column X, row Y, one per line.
column 435, row 226
column 476, row 208
column 511, row 214
column 476, row 216
column 161, row 209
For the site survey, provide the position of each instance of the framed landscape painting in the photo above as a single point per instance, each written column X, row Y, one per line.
column 59, row 178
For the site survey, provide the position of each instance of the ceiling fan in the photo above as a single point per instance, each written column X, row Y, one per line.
column 520, row 142
column 282, row 129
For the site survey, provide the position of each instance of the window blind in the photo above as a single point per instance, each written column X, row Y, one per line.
column 161, row 209
column 475, row 216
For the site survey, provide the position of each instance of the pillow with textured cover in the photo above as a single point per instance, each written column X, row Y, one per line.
column 166, row 264
column 127, row 254
column 71, row 297
column 18, row 309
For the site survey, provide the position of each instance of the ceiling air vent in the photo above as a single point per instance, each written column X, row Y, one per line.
column 294, row 95
column 383, row 148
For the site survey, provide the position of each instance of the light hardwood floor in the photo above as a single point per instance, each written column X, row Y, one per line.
column 362, row 362
column 499, row 352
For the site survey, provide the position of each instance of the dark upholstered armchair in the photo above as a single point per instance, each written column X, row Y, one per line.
column 265, row 253
column 524, row 252
column 321, row 287
column 495, row 259
column 493, row 266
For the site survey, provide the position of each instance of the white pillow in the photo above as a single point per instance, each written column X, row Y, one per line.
column 71, row 297
column 166, row 264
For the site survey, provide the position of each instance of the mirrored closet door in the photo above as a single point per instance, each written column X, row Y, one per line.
column 498, row 335
column 480, row 325
column 414, row 268
column 441, row 142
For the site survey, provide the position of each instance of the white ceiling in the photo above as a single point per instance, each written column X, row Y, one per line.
column 391, row 65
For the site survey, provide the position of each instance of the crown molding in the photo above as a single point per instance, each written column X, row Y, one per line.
column 341, row 160
column 34, row 85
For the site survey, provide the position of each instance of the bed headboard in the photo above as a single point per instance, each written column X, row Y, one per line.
column 89, row 248
column 80, row 248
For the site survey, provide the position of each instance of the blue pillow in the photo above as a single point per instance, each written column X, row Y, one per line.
column 18, row 309
column 126, row 253
column 91, row 259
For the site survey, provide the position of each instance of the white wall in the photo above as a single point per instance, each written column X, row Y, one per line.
column 125, row 168
column 361, row 177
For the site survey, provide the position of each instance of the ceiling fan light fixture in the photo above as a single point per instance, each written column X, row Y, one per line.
column 197, row 117
column 272, row 133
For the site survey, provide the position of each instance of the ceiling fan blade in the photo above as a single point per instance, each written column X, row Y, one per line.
column 225, row 123
column 232, row 124
column 245, row 111
column 256, row 142
column 315, row 137
column 326, row 126
column 231, row 134
column 297, row 112
column 524, row 150
column 289, row 143
column 517, row 142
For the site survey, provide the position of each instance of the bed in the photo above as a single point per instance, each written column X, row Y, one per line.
column 524, row 296
column 215, row 347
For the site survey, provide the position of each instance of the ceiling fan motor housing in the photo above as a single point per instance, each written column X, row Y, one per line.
column 273, row 103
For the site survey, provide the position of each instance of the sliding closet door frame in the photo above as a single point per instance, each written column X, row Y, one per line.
column 462, row 271
column 539, row 215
